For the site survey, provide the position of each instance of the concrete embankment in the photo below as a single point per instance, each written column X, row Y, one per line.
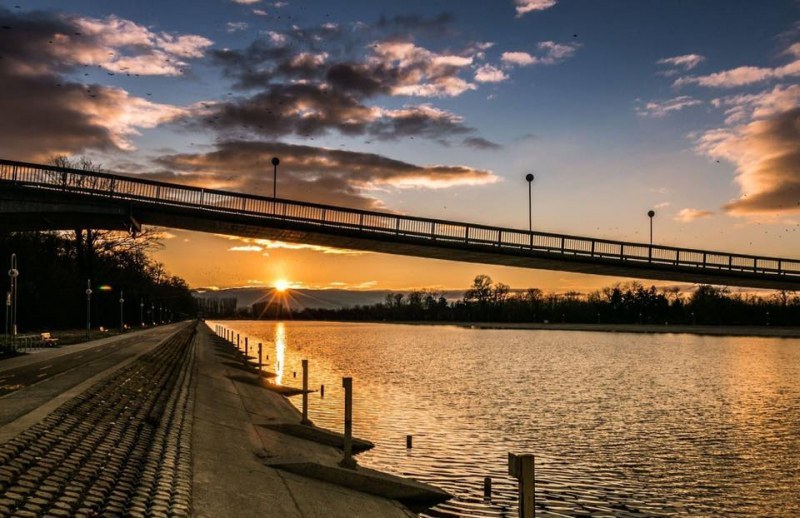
column 172, row 422
column 246, row 464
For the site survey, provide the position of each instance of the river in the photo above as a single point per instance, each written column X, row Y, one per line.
column 620, row 424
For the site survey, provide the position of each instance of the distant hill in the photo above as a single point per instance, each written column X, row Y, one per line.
column 308, row 298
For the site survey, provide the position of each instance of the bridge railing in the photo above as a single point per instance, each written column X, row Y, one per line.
column 106, row 185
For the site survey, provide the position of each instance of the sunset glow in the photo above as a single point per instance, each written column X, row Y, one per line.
column 282, row 285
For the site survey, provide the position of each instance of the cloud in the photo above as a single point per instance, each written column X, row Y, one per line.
column 685, row 62
column 259, row 12
column 489, row 74
column 549, row 53
column 439, row 25
column 236, row 26
column 313, row 174
column 687, row 215
column 527, row 6
column 44, row 113
column 245, row 2
column 246, row 248
column 481, row 143
column 762, row 139
column 518, row 58
column 745, row 75
column 291, row 86
column 664, row 108
column 259, row 245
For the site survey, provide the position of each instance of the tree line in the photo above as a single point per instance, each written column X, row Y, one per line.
column 627, row 303
column 54, row 268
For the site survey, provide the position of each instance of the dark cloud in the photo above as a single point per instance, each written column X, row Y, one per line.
column 310, row 173
column 481, row 143
column 768, row 154
column 44, row 112
column 354, row 78
column 308, row 82
column 440, row 25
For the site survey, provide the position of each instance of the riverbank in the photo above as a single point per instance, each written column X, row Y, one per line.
column 702, row 330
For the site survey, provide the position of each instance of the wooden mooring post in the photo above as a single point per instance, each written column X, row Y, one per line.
column 521, row 467
column 348, row 461
column 305, row 393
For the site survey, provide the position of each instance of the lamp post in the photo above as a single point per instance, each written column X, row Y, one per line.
column 275, row 162
column 11, row 301
column 88, row 307
column 161, row 314
column 650, row 214
column 7, row 307
column 153, row 312
column 121, row 312
column 141, row 311
column 529, row 179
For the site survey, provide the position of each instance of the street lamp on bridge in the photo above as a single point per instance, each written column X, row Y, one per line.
column 275, row 162
column 650, row 214
column 529, row 179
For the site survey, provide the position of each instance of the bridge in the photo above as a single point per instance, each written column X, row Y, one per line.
column 42, row 197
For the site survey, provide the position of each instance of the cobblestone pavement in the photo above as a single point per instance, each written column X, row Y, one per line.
column 120, row 448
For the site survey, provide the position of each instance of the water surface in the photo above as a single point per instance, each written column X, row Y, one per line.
column 621, row 424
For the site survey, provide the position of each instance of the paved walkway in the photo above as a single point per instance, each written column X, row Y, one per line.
column 229, row 449
column 32, row 386
column 120, row 448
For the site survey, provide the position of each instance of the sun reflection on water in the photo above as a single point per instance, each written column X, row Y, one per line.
column 280, row 351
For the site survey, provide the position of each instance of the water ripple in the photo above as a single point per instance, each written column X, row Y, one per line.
column 621, row 425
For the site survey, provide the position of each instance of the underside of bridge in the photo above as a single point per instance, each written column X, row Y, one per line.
column 25, row 209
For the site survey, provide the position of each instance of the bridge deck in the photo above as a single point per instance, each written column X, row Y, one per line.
column 39, row 189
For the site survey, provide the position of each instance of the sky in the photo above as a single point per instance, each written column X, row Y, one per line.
column 435, row 109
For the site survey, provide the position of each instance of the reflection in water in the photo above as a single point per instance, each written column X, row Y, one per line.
column 620, row 424
column 280, row 351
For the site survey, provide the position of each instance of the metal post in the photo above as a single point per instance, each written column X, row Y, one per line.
column 13, row 273
column 348, row 461
column 275, row 162
column 246, row 349
column 529, row 179
column 238, row 342
column 521, row 467
column 650, row 214
column 121, row 312
column 305, row 393
column 141, row 311
column 7, row 308
column 260, row 362
column 487, row 488
column 88, row 307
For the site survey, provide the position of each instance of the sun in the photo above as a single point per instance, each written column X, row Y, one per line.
column 281, row 285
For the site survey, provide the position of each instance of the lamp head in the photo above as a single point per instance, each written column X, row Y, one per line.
column 275, row 161
column 529, row 177
column 651, row 213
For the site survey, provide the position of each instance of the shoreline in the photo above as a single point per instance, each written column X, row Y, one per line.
column 700, row 330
